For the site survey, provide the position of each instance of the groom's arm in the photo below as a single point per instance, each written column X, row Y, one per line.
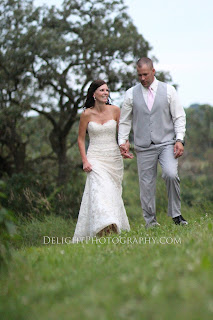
column 179, row 120
column 125, row 125
column 125, row 118
column 177, row 112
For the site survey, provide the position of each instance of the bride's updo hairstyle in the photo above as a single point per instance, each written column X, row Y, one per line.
column 90, row 101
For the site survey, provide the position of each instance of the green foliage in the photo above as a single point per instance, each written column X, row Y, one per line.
column 66, row 200
column 17, row 26
column 32, row 231
column 199, row 131
column 7, row 228
column 26, row 195
column 121, row 281
column 197, row 192
column 32, row 196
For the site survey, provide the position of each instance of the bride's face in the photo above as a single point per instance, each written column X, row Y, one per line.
column 102, row 93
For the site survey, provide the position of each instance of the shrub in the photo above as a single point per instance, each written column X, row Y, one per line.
column 7, row 228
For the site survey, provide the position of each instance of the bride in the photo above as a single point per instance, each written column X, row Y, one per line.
column 102, row 210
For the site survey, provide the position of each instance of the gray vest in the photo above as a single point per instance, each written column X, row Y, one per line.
column 152, row 126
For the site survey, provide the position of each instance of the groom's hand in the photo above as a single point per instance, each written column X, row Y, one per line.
column 178, row 149
column 124, row 149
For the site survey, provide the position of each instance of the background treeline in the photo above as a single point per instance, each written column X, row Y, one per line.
column 48, row 58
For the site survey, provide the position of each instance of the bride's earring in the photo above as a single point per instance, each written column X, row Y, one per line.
column 94, row 97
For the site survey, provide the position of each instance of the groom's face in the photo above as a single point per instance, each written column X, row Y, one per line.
column 146, row 75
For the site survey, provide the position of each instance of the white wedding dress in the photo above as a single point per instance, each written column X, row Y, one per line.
column 102, row 203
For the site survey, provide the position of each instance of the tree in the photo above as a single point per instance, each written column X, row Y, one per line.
column 17, row 25
column 85, row 40
column 48, row 58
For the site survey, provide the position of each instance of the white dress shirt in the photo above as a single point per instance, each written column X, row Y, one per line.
column 176, row 109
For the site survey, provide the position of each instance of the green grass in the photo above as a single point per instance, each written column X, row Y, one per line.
column 151, row 280
column 158, row 274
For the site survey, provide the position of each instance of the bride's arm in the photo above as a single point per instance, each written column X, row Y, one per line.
column 81, row 142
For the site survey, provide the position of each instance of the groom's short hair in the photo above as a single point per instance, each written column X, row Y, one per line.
column 145, row 60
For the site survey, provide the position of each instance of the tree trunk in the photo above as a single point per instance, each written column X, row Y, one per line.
column 59, row 145
column 5, row 166
column 62, row 166
column 19, row 155
column 16, row 150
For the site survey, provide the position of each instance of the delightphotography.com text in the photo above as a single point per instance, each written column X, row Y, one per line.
column 113, row 240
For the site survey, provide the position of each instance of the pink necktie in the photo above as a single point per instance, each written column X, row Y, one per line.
column 150, row 99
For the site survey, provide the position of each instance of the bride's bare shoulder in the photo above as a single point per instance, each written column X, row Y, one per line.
column 86, row 114
column 114, row 107
column 115, row 110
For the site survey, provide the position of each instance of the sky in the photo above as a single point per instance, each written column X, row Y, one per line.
column 181, row 35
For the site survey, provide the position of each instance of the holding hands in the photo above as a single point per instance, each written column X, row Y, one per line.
column 124, row 149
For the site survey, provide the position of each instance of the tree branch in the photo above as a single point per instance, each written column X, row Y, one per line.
column 72, row 144
column 70, row 120
column 47, row 157
column 47, row 115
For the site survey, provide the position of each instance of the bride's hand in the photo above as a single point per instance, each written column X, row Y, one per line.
column 127, row 155
column 124, row 149
column 87, row 166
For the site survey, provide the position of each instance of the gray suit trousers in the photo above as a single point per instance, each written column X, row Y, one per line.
column 147, row 161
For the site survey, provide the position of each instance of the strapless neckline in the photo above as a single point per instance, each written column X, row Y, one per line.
column 102, row 124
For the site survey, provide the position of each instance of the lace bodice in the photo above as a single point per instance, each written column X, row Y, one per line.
column 102, row 134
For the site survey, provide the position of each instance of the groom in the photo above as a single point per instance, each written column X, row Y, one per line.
column 159, row 123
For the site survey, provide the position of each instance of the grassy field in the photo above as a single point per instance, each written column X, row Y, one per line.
column 157, row 274
column 162, row 273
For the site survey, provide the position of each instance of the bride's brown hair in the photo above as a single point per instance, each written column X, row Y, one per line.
column 90, row 101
